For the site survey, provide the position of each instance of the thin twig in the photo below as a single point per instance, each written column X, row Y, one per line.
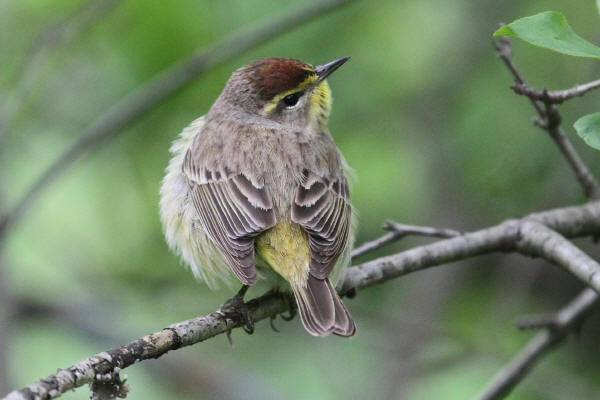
column 570, row 222
column 566, row 320
column 416, row 230
column 504, row 50
column 554, row 96
column 140, row 101
column 550, row 120
column 399, row 231
column 381, row 241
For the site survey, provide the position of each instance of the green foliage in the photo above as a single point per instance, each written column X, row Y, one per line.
column 588, row 128
column 551, row 31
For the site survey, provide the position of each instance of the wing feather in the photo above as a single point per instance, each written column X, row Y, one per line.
column 322, row 207
column 233, row 211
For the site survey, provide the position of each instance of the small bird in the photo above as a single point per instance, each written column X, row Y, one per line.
column 257, row 189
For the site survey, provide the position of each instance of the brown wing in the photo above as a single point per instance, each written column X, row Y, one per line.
column 322, row 208
column 232, row 210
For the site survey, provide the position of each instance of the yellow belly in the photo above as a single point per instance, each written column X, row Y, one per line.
column 285, row 248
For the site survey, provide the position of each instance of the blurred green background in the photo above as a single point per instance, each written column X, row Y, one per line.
column 422, row 112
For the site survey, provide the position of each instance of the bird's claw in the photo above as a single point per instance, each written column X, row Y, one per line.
column 248, row 326
column 289, row 317
column 272, row 323
column 237, row 310
column 292, row 310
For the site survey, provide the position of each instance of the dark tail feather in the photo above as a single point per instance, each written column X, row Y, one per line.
column 321, row 309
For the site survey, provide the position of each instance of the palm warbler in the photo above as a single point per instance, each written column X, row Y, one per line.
column 257, row 189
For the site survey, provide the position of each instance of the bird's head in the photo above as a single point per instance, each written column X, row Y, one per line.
column 283, row 90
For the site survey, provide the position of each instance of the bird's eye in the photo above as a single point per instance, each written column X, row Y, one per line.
column 291, row 99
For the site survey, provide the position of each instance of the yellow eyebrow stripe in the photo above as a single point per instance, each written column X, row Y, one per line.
column 273, row 103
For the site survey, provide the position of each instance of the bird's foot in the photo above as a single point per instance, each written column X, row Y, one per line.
column 290, row 305
column 291, row 308
column 236, row 310
column 291, row 316
column 272, row 323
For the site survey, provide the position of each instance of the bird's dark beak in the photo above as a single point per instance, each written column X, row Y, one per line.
column 323, row 71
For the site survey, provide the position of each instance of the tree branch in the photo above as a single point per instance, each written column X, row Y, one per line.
column 570, row 222
column 504, row 51
column 154, row 345
column 556, row 327
column 500, row 238
column 564, row 322
column 140, row 101
column 538, row 240
column 550, row 120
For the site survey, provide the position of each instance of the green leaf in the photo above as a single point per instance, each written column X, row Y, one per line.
column 550, row 30
column 588, row 128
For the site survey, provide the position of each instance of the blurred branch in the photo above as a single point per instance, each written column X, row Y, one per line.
column 537, row 321
column 64, row 30
column 550, row 120
column 554, row 96
column 143, row 99
column 564, row 322
column 53, row 35
column 511, row 235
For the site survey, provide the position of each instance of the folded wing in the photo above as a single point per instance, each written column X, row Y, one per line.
column 323, row 209
column 233, row 210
